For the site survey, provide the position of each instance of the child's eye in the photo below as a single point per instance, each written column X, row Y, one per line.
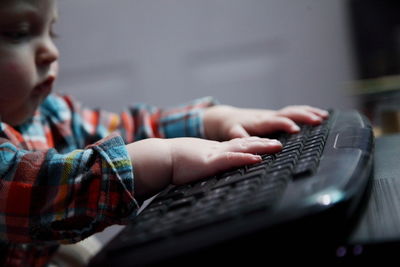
column 17, row 35
column 17, row 32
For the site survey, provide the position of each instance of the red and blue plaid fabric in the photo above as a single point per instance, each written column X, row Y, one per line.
column 66, row 174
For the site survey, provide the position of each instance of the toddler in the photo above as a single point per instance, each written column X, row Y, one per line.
column 68, row 172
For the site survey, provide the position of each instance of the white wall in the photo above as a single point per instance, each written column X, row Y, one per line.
column 250, row 53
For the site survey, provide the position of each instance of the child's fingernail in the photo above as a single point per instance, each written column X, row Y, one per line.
column 275, row 142
column 295, row 128
column 316, row 118
column 325, row 113
column 256, row 157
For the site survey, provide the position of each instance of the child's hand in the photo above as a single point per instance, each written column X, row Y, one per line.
column 160, row 162
column 226, row 122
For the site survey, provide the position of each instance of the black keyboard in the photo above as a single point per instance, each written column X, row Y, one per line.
column 306, row 194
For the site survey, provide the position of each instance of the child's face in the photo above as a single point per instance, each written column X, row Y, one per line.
column 28, row 57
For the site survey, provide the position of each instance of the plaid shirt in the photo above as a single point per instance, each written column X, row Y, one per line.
column 66, row 173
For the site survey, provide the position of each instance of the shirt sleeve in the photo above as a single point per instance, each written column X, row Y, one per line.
column 140, row 121
column 50, row 197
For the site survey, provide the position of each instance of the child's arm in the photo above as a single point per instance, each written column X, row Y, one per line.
column 48, row 196
column 226, row 122
column 160, row 162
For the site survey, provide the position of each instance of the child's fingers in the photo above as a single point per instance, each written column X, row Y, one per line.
column 317, row 111
column 304, row 114
column 254, row 145
column 241, row 151
column 229, row 159
column 313, row 111
column 274, row 124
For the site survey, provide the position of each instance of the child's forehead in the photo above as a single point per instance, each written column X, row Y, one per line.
column 22, row 5
column 27, row 3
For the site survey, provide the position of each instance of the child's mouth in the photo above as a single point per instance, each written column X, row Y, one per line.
column 45, row 87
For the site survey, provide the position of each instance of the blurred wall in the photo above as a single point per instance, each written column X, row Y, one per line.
column 249, row 53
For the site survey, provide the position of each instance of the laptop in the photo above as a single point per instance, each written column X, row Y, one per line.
column 307, row 202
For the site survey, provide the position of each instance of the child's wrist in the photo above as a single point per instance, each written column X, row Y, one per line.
column 213, row 121
column 152, row 166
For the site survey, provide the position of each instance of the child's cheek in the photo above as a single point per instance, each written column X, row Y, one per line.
column 16, row 78
column 17, row 69
column 20, row 69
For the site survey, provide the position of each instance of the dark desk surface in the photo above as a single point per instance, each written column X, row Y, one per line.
column 381, row 219
column 376, row 238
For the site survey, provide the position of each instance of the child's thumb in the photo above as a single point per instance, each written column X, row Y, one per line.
column 237, row 131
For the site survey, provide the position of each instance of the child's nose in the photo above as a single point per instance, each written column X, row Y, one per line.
column 47, row 52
